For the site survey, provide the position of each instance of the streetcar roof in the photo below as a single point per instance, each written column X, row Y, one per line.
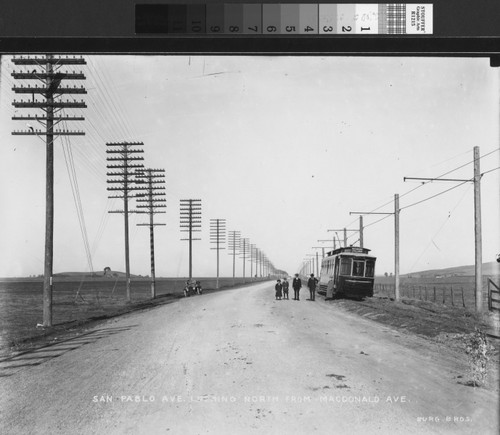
column 349, row 250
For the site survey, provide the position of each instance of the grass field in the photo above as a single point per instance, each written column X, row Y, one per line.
column 77, row 301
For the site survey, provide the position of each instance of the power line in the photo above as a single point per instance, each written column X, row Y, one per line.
column 436, row 195
column 70, row 166
column 426, row 182
column 440, row 228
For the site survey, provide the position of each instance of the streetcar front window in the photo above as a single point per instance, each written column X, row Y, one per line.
column 370, row 269
column 358, row 268
column 345, row 266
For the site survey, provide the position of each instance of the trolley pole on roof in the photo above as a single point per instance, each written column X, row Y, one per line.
column 478, row 256
column 47, row 71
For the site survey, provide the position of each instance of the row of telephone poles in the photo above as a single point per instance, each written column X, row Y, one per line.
column 48, row 95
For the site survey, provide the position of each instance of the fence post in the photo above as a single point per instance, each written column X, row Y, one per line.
column 463, row 300
column 444, row 297
column 490, row 304
column 490, row 301
column 452, row 301
column 425, row 289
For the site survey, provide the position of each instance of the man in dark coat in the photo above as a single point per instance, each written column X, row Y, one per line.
column 297, row 285
column 311, row 283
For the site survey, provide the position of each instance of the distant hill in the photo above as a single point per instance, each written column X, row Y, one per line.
column 489, row 269
column 112, row 274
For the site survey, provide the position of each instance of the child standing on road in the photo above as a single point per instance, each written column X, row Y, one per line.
column 278, row 288
column 285, row 286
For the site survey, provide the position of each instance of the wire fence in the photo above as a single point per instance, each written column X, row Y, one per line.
column 455, row 295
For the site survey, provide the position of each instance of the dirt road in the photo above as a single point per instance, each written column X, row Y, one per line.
column 238, row 362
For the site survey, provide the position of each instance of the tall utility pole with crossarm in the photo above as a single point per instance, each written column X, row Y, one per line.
column 244, row 251
column 123, row 162
column 218, row 237
column 190, row 223
column 47, row 98
column 151, row 201
column 476, row 180
column 234, row 246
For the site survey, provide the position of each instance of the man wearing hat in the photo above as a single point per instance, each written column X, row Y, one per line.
column 297, row 285
column 311, row 283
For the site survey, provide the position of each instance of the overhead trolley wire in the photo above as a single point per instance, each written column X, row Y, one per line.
column 429, row 181
column 440, row 228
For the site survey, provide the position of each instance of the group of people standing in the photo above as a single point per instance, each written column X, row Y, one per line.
column 282, row 286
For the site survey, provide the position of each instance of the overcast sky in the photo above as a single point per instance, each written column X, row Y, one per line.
column 282, row 147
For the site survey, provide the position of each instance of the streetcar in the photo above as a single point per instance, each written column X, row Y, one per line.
column 347, row 272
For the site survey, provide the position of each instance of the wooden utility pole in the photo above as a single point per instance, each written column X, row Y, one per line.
column 396, row 247
column 47, row 70
column 123, row 163
column 234, row 245
column 477, row 233
column 478, row 256
column 311, row 261
column 361, row 239
column 327, row 241
column 257, row 262
column 252, row 250
column 151, row 202
column 244, row 246
column 218, row 236
column 345, row 230
column 190, row 223
column 396, row 240
column 322, row 249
